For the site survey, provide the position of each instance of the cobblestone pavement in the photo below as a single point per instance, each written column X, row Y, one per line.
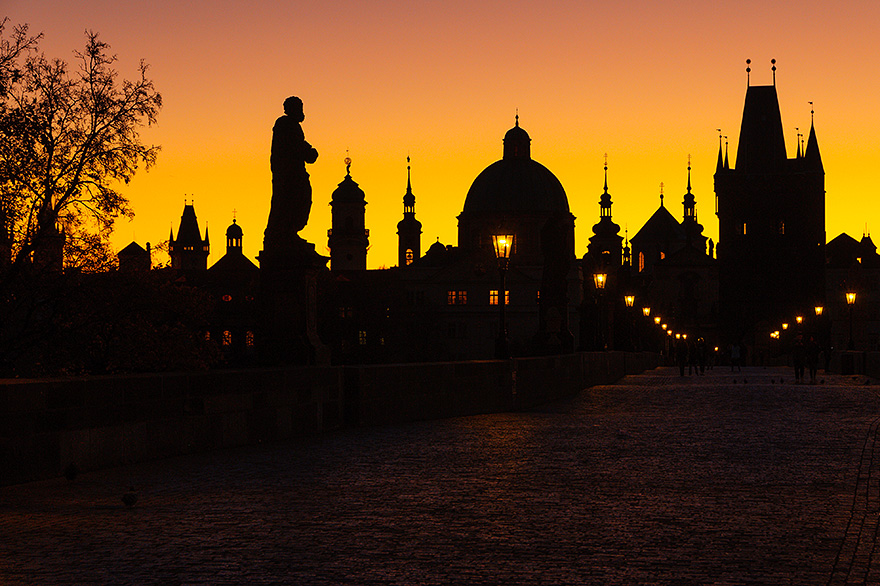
column 725, row 479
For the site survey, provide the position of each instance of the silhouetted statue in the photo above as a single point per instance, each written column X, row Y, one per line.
column 291, row 190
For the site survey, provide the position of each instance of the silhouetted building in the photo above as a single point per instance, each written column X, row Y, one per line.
column 409, row 230
column 348, row 238
column 771, row 213
column 189, row 252
column 134, row 258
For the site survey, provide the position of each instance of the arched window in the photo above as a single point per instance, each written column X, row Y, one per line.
column 641, row 261
column 409, row 256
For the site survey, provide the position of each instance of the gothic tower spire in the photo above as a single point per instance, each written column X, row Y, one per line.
column 409, row 230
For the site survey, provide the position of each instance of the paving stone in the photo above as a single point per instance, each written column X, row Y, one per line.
column 658, row 479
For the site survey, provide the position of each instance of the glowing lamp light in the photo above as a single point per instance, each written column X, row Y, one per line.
column 784, row 326
column 668, row 332
column 819, row 309
column 657, row 319
column 599, row 279
column 799, row 319
column 677, row 336
column 629, row 300
column 850, row 298
column 646, row 311
column 664, row 326
column 684, row 336
column 502, row 244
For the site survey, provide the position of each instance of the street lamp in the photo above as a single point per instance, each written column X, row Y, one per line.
column 599, row 279
column 502, row 244
column 784, row 326
column 851, row 300
column 799, row 319
column 629, row 300
column 819, row 309
column 657, row 319
column 646, row 311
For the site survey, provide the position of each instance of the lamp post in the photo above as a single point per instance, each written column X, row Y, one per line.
column 851, row 300
column 502, row 244
column 600, row 279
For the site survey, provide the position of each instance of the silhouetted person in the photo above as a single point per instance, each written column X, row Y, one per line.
column 693, row 358
column 291, row 190
column 735, row 357
column 812, row 349
column 702, row 354
column 681, row 354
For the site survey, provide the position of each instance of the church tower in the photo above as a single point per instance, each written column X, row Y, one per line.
column 693, row 230
column 348, row 238
column 409, row 230
column 604, row 245
column 771, row 215
column 189, row 252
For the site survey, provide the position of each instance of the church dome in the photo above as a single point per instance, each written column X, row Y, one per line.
column 516, row 183
column 234, row 231
column 348, row 191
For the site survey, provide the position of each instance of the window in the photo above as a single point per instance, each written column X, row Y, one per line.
column 744, row 229
column 493, row 297
column 227, row 297
column 782, row 227
column 227, row 338
column 249, row 339
column 456, row 297
column 346, row 311
column 662, row 255
column 641, row 261
column 362, row 338
column 538, row 297
column 409, row 256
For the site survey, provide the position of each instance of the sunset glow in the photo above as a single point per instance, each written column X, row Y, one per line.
column 648, row 83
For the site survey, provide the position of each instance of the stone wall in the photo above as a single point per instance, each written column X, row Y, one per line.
column 100, row 422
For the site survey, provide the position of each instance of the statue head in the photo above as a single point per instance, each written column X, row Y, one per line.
column 293, row 107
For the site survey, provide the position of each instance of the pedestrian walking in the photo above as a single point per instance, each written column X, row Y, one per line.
column 735, row 357
column 681, row 354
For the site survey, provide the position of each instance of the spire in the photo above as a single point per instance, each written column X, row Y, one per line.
column 798, row 134
column 661, row 194
column 720, row 164
column 689, row 200
column 811, row 155
column 605, row 199
column 409, row 200
column 748, row 72
column 726, row 160
column 773, row 61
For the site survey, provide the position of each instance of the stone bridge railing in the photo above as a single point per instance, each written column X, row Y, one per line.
column 99, row 422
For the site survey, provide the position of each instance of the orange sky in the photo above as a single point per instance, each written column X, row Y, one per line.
column 646, row 82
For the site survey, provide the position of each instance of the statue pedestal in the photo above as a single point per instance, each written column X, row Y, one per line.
column 288, row 307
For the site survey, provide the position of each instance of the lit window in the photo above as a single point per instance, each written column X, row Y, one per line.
column 249, row 339
column 456, row 297
column 641, row 261
column 662, row 255
column 207, row 336
column 493, row 297
column 744, row 229
column 227, row 297
column 362, row 338
column 409, row 256
column 227, row 338
column 782, row 227
column 538, row 298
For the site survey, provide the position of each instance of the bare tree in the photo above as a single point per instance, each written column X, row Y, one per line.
column 69, row 138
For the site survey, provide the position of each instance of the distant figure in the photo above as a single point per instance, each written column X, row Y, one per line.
column 681, row 354
column 798, row 358
column 735, row 357
column 812, row 348
column 702, row 355
column 291, row 190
